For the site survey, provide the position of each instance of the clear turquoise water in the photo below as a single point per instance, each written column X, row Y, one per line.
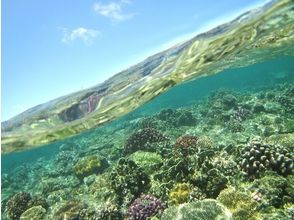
column 246, row 80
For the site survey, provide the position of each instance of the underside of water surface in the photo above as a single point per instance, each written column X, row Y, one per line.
column 219, row 146
column 255, row 36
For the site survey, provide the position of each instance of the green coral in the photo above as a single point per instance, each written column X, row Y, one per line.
column 207, row 209
column 89, row 165
column 242, row 206
column 275, row 189
column 180, row 193
column 148, row 161
column 128, row 180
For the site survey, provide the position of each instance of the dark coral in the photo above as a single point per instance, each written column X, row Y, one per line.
column 128, row 180
column 144, row 207
column 18, row 204
column 139, row 139
column 256, row 158
column 186, row 144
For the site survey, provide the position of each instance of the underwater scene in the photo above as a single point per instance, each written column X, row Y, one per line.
column 196, row 137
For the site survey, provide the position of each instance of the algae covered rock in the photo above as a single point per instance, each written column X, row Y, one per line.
column 207, row 209
column 34, row 213
column 90, row 165
column 148, row 161
column 242, row 205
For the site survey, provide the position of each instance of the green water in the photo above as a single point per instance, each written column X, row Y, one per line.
column 28, row 171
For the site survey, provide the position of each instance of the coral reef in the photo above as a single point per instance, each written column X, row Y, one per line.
column 89, row 165
column 128, row 180
column 144, row 207
column 177, row 117
column 256, row 158
column 139, row 139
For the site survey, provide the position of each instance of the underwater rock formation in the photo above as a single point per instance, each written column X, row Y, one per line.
column 139, row 139
column 256, row 158
column 144, row 207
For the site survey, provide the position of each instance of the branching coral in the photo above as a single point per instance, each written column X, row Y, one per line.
column 186, row 145
column 128, row 180
column 144, row 207
column 139, row 139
